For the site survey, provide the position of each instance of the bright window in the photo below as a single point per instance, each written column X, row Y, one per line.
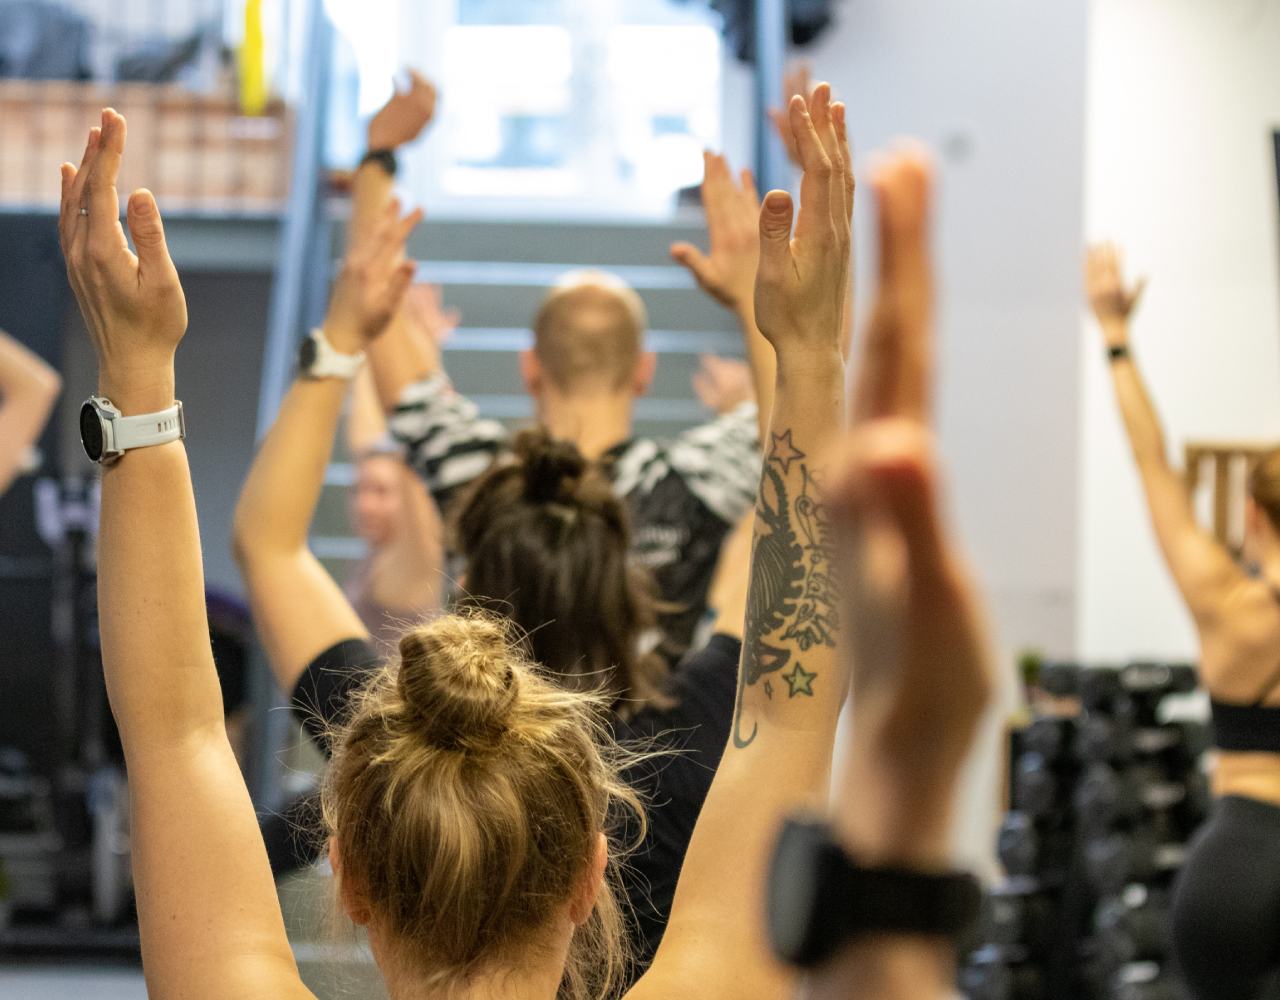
column 549, row 107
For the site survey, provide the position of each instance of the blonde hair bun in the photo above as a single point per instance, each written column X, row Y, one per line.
column 456, row 679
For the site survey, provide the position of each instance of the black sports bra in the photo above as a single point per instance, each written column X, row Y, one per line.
column 1249, row 728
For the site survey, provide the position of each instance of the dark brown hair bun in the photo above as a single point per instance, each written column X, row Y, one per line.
column 552, row 469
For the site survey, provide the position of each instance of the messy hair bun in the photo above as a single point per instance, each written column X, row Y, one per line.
column 456, row 679
column 552, row 470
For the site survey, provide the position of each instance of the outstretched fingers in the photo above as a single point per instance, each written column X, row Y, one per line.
column 99, row 193
column 71, row 222
column 815, row 185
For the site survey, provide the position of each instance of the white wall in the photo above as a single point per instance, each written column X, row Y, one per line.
column 1183, row 97
column 998, row 86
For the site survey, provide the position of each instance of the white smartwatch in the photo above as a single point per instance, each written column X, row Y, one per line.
column 107, row 434
column 318, row 359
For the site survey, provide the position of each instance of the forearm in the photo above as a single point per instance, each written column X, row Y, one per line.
column 791, row 676
column 280, row 496
column 1141, row 422
column 761, row 360
column 397, row 358
column 155, row 636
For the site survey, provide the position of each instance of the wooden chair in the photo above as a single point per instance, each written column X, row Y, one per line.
column 1223, row 467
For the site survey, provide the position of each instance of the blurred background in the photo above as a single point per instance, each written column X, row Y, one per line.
column 570, row 134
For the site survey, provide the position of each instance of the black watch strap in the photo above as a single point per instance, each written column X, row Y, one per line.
column 385, row 158
column 820, row 897
column 1117, row 352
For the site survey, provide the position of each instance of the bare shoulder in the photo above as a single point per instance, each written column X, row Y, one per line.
column 1240, row 646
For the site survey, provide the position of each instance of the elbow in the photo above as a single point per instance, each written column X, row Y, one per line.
column 246, row 542
column 50, row 383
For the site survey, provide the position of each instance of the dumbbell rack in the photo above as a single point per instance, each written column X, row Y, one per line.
column 1106, row 795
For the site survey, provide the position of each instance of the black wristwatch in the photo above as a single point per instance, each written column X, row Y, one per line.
column 820, row 897
column 1117, row 352
column 386, row 158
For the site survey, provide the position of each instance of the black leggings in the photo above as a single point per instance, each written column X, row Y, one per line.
column 1226, row 909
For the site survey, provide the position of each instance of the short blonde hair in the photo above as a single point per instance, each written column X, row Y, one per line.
column 467, row 794
column 589, row 331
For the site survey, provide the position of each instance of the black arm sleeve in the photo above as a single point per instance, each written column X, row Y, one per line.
column 321, row 696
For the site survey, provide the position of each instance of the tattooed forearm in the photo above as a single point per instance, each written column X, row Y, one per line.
column 791, row 605
column 816, row 619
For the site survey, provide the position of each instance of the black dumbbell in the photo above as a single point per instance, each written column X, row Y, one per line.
column 1100, row 688
column 1018, row 845
column 1104, row 798
column 1061, row 680
column 1159, row 988
column 1177, row 744
column 1134, row 856
column 989, row 977
column 1159, row 679
column 1035, row 787
column 1048, row 736
column 1132, row 927
column 1104, row 739
column 1016, row 913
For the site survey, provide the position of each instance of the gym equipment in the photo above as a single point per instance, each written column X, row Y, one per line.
column 1106, row 795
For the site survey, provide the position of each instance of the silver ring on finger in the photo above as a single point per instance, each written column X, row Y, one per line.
column 83, row 210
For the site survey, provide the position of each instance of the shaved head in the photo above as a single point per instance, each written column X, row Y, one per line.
column 588, row 333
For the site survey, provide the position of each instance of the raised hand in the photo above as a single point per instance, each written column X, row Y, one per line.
column 1111, row 299
column 372, row 283
column 405, row 115
column 796, row 81
column 133, row 304
column 732, row 207
column 722, row 384
column 922, row 665
column 803, row 279
column 427, row 315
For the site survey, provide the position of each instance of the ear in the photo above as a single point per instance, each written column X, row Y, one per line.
column 646, row 368
column 354, row 904
column 531, row 373
column 584, row 899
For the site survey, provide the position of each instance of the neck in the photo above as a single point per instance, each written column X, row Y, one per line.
column 595, row 422
column 536, row 975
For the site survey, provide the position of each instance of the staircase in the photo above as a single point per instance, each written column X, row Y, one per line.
column 496, row 273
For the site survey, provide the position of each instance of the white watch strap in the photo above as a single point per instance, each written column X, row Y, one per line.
column 148, row 429
column 331, row 363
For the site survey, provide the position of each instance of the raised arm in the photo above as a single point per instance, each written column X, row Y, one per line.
column 1204, row 572
column 207, row 910
column 28, row 390
column 922, row 666
column 727, row 272
column 298, row 609
column 791, row 684
column 398, row 358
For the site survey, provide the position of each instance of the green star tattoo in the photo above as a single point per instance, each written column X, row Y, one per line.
column 800, row 681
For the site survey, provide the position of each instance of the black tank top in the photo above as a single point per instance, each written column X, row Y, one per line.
column 1251, row 728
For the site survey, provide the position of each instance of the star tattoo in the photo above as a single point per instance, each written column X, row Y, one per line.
column 784, row 452
column 800, row 681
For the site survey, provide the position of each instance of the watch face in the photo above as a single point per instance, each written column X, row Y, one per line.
column 307, row 354
column 91, row 432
